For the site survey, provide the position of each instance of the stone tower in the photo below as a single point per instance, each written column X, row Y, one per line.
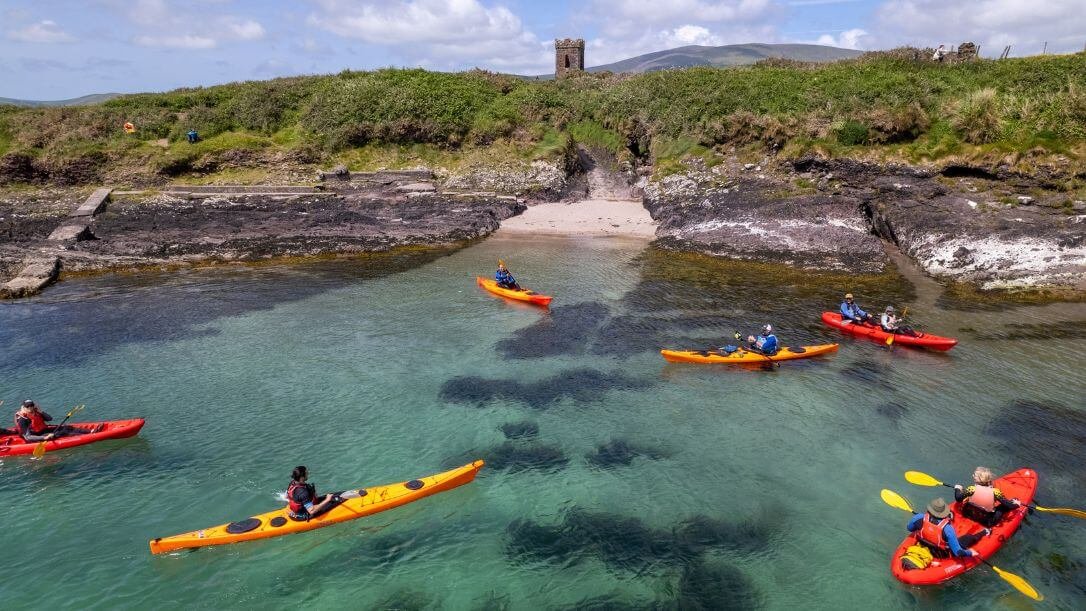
column 568, row 56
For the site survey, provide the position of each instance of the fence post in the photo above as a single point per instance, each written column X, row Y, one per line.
column 1044, row 51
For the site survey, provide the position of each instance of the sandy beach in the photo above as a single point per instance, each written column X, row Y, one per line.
column 595, row 217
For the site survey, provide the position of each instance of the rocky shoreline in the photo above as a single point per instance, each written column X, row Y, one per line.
column 959, row 224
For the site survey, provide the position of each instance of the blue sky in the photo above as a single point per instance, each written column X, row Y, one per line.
column 52, row 49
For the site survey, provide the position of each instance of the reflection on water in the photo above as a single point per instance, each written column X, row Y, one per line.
column 614, row 479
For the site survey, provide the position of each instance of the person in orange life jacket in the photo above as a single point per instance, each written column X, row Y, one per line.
column 850, row 312
column 889, row 323
column 504, row 278
column 766, row 342
column 31, row 424
column 935, row 529
column 302, row 500
column 983, row 502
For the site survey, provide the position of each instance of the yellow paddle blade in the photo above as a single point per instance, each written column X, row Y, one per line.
column 890, row 340
column 39, row 450
column 895, row 500
column 1019, row 584
column 921, row 479
column 1063, row 511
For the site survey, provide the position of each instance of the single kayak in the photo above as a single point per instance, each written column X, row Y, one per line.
column 745, row 357
column 356, row 504
column 1021, row 485
column 875, row 332
column 521, row 295
column 14, row 445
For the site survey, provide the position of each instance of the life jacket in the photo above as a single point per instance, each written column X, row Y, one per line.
column 764, row 339
column 295, row 506
column 983, row 498
column 932, row 534
column 37, row 422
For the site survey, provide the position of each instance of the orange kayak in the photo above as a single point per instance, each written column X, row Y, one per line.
column 743, row 356
column 356, row 504
column 521, row 295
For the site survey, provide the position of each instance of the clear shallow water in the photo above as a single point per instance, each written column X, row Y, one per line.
column 758, row 488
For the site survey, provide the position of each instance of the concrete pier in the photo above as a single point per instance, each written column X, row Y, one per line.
column 40, row 268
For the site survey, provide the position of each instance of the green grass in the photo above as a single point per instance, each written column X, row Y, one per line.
column 881, row 106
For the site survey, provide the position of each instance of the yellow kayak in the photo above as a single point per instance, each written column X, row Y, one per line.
column 745, row 357
column 521, row 295
column 356, row 504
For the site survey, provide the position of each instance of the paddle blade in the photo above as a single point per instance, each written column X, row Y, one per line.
column 39, row 450
column 1063, row 511
column 1019, row 584
column 890, row 340
column 921, row 479
column 895, row 500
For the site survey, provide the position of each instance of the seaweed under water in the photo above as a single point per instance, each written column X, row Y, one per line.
column 620, row 453
column 582, row 385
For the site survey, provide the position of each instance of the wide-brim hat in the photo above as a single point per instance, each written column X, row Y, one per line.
column 938, row 508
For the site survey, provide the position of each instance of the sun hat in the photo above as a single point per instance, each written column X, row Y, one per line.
column 938, row 508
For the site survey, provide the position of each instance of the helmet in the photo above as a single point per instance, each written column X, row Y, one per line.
column 29, row 403
column 890, row 309
column 767, row 329
column 848, row 295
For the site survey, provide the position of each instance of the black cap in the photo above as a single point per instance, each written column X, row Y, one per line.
column 29, row 403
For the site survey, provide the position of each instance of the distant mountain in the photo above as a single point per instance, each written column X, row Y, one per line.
column 87, row 100
column 727, row 55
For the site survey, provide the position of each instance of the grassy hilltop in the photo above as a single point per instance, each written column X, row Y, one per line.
column 873, row 106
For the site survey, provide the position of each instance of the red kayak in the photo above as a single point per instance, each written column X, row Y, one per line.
column 13, row 445
column 875, row 332
column 1021, row 485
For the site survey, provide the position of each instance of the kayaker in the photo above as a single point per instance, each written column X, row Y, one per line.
column 504, row 278
column 766, row 342
column 889, row 323
column 302, row 500
column 850, row 312
column 983, row 502
column 934, row 530
column 31, row 424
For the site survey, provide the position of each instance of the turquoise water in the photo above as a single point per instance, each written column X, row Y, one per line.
column 717, row 487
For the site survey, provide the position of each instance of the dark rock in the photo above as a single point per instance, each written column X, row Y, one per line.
column 520, row 430
column 620, row 453
column 581, row 385
column 565, row 331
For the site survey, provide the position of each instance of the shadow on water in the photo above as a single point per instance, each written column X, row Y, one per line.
column 514, row 457
column 1045, row 435
column 1064, row 329
column 525, row 429
column 620, row 453
column 893, row 411
column 566, row 331
column 580, row 385
column 87, row 317
column 869, row 373
column 627, row 544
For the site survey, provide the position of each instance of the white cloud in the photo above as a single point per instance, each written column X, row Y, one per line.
column 438, row 33
column 186, row 41
column 44, row 32
column 245, row 30
column 856, row 38
column 693, row 35
column 1026, row 24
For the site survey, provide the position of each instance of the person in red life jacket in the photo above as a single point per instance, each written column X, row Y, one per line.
column 32, row 424
column 302, row 500
column 934, row 529
column 983, row 502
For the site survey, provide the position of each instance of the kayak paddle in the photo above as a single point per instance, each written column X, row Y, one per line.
column 39, row 450
column 923, row 479
column 896, row 501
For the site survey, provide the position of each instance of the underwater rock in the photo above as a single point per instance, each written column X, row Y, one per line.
column 581, row 385
column 620, row 453
column 515, row 457
column 716, row 586
column 524, row 429
column 567, row 330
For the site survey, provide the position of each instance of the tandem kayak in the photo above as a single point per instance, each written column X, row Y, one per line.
column 1021, row 485
column 745, row 357
column 875, row 332
column 521, row 295
column 13, row 445
column 356, row 504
